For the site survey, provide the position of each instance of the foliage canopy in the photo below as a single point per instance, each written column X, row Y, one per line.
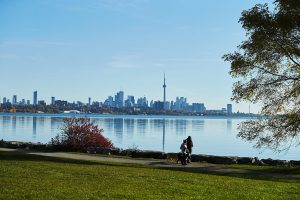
column 266, row 67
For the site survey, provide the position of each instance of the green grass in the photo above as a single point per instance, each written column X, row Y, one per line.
column 24, row 176
column 273, row 169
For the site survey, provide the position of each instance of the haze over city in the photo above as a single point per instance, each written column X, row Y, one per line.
column 96, row 48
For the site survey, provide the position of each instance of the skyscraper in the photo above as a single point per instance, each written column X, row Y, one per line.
column 35, row 101
column 142, row 102
column 119, row 99
column 109, row 102
column 52, row 100
column 14, row 100
column 164, row 86
column 229, row 108
column 130, row 101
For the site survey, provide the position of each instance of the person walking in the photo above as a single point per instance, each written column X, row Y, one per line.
column 183, row 147
column 184, row 156
column 189, row 144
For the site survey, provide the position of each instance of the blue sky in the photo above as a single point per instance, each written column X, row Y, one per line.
column 73, row 49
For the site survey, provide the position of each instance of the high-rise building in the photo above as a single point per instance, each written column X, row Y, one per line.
column 14, row 100
column 158, row 105
column 119, row 99
column 35, row 99
column 78, row 103
column 198, row 107
column 4, row 100
column 151, row 104
column 130, row 101
column 109, row 102
column 142, row 102
column 28, row 102
column 229, row 108
column 61, row 103
column 52, row 100
column 167, row 105
column 180, row 103
column 164, row 86
column 42, row 102
column 90, row 101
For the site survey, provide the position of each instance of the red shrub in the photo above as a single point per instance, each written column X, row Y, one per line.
column 79, row 134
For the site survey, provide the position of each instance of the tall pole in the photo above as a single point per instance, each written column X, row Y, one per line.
column 164, row 86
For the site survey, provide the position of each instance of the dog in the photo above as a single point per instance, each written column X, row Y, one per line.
column 183, row 158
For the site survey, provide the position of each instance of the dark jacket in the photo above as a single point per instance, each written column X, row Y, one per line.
column 189, row 144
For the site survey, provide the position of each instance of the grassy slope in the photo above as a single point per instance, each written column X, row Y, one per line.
column 35, row 177
column 275, row 169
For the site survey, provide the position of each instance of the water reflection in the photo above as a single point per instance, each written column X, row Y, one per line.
column 53, row 123
column 5, row 121
column 41, row 121
column 141, row 125
column 181, row 126
column 34, row 127
column 28, row 122
column 198, row 125
column 108, row 124
column 156, row 124
column 14, row 124
column 164, row 134
column 118, row 126
column 129, row 124
column 22, row 121
column 229, row 125
column 210, row 136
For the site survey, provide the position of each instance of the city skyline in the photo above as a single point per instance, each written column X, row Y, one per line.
column 119, row 101
column 89, row 49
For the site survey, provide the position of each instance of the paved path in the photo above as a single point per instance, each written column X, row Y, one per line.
column 212, row 168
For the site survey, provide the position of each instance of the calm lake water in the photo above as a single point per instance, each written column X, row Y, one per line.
column 211, row 135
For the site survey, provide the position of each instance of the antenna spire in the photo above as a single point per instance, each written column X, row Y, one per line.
column 164, row 86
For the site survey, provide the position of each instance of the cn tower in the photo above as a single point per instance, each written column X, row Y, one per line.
column 164, row 86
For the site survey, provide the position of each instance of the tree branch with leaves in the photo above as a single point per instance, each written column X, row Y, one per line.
column 266, row 68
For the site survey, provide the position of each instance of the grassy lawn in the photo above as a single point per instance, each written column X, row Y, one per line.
column 274, row 169
column 35, row 177
column 256, row 168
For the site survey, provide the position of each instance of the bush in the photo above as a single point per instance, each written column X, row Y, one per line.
column 78, row 134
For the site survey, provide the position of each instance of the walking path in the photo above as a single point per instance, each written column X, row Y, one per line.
column 206, row 167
